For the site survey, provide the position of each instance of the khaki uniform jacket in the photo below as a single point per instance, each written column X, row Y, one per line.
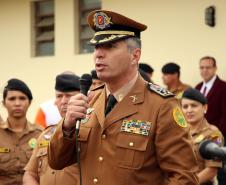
column 38, row 164
column 180, row 89
column 209, row 132
column 112, row 155
column 15, row 151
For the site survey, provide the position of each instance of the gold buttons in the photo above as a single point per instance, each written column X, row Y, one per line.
column 100, row 159
column 131, row 144
column 104, row 136
column 95, row 181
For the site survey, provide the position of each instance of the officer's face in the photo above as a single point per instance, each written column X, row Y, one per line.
column 62, row 99
column 207, row 69
column 169, row 79
column 114, row 62
column 193, row 110
column 16, row 104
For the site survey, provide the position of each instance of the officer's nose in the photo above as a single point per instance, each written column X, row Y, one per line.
column 99, row 53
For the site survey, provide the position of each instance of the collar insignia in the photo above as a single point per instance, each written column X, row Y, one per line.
column 133, row 98
column 199, row 138
column 32, row 142
column 101, row 20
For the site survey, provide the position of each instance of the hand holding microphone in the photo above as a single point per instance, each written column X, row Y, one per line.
column 78, row 104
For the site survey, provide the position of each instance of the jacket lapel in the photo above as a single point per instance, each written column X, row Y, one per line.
column 100, row 107
column 213, row 88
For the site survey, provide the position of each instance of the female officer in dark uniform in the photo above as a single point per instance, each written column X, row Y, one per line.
column 194, row 106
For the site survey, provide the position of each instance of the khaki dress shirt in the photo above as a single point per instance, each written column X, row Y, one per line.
column 209, row 132
column 15, row 151
column 38, row 164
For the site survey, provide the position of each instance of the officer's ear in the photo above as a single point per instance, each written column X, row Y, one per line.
column 205, row 108
column 135, row 55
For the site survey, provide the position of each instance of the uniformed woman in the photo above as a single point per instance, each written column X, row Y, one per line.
column 17, row 134
column 194, row 106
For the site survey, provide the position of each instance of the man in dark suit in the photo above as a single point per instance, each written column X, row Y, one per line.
column 215, row 91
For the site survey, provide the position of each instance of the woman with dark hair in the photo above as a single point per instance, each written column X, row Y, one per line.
column 194, row 106
column 17, row 134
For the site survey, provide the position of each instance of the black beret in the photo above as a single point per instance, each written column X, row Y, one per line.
column 146, row 68
column 67, row 83
column 170, row 68
column 18, row 85
column 94, row 74
column 144, row 75
column 194, row 94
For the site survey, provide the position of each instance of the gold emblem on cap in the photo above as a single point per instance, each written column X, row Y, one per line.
column 101, row 20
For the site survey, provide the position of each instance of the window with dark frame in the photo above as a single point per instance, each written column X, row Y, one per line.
column 43, row 27
column 85, row 32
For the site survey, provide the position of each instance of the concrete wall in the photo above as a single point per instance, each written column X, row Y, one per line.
column 176, row 32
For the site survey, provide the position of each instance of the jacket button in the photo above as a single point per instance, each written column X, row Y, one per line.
column 101, row 159
column 104, row 136
column 131, row 144
column 95, row 181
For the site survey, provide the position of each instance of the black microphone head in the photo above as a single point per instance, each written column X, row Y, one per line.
column 85, row 83
column 203, row 149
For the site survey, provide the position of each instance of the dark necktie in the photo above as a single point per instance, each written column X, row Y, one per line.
column 111, row 101
column 204, row 91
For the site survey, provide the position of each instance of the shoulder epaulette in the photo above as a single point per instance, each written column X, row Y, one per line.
column 98, row 87
column 160, row 90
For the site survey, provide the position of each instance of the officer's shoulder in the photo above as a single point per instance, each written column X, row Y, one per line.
column 50, row 127
column 98, row 87
column 48, row 131
column 214, row 130
column 35, row 127
column 161, row 91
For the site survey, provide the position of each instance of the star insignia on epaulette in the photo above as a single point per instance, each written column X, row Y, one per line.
column 160, row 90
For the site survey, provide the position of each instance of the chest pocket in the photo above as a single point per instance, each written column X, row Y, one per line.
column 42, row 160
column 5, row 154
column 83, row 139
column 130, row 150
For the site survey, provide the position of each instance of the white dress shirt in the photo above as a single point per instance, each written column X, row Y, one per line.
column 208, row 85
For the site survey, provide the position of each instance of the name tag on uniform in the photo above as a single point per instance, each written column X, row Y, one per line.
column 4, row 150
column 136, row 127
column 43, row 144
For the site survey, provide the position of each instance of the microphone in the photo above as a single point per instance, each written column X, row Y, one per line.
column 85, row 83
column 210, row 150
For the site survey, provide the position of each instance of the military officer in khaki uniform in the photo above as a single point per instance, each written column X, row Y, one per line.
column 194, row 106
column 131, row 132
column 171, row 78
column 38, row 171
column 17, row 134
